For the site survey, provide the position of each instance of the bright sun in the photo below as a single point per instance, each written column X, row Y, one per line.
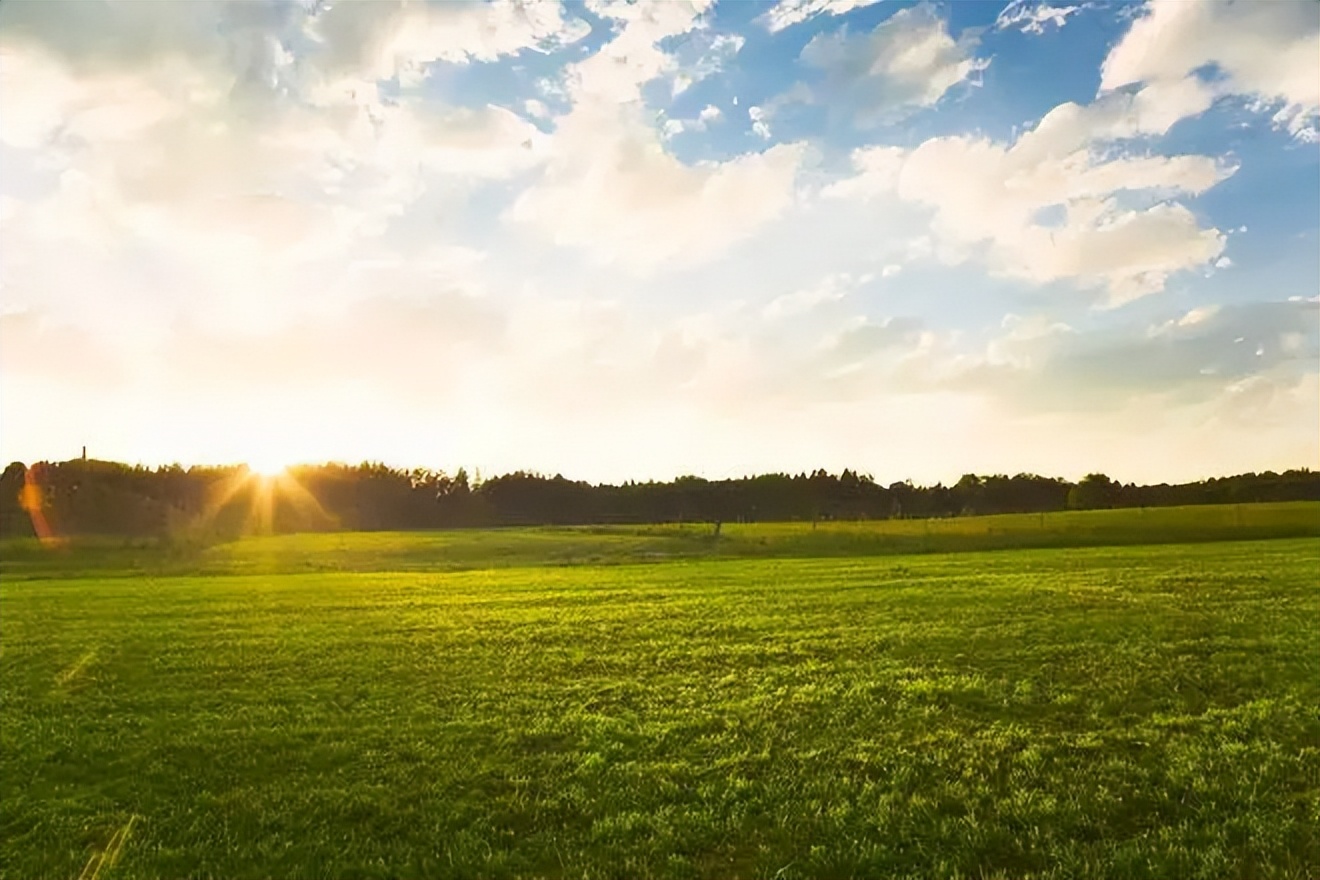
column 267, row 466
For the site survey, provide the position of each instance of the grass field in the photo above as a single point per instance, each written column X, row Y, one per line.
column 780, row 703
column 466, row 549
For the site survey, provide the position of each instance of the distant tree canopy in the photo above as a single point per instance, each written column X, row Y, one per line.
column 100, row 497
column 1095, row 491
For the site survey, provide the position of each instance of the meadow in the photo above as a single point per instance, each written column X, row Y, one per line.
column 1104, row 694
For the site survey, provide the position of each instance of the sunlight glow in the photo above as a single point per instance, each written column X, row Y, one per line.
column 264, row 493
column 267, row 466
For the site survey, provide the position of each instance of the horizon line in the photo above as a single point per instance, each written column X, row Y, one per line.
column 475, row 474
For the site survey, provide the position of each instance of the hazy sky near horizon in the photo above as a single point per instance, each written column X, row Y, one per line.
column 627, row 241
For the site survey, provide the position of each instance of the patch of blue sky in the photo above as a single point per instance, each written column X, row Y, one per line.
column 1264, row 267
column 1031, row 74
column 1274, row 172
column 507, row 82
column 1009, row 95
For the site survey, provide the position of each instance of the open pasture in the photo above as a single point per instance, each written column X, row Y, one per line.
column 1138, row 711
column 464, row 549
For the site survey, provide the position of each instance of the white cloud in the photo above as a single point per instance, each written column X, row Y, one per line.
column 615, row 192
column 43, row 97
column 702, row 56
column 616, row 73
column 241, row 53
column 763, row 114
column 343, row 167
column 1027, row 341
column 238, row 43
column 1191, row 358
column 710, row 113
column 1152, row 111
column 359, row 41
column 831, row 288
column 982, row 195
column 877, row 170
column 611, row 188
column 988, row 198
column 157, row 119
column 787, row 13
column 1159, row 105
column 909, row 60
column 1191, row 317
column 201, row 213
column 409, row 136
column 882, row 345
column 1198, row 315
column 551, row 87
column 1263, row 50
column 1032, row 16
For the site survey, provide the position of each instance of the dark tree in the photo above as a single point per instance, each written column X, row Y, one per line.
column 1093, row 492
column 99, row 497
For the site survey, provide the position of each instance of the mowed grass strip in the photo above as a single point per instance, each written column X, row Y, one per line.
column 1135, row 712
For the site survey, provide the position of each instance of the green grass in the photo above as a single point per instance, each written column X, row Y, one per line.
column 461, row 550
column 1138, row 711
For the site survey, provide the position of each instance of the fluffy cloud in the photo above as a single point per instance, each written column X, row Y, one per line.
column 867, row 339
column 43, row 97
column 1262, row 50
column 708, row 115
column 226, row 222
column 1204, row 354
column 194, row 141
column 177, row 121
column 236, row 42
column 182, row 218
column 909, row 60
column 104, row 55
column 876, row 174
column 616, row 73
column 482, row 142
column 1149, row 112
column 787, row 13
column 831, row 288
column 615, row 192
column 994, row 199
column 704, row 54
column 362, row 42
column 611, row 188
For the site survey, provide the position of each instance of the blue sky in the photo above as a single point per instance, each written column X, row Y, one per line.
column 622, row 240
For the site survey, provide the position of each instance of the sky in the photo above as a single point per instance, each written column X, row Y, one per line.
column 633, row 241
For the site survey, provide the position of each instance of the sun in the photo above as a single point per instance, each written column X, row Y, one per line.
column 267, row 466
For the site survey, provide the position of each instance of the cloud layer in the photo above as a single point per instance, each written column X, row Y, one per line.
column 626, row 240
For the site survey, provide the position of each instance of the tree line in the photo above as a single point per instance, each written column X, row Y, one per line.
column 87, row 497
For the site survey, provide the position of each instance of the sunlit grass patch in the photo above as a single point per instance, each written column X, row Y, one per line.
column 1090, row 712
